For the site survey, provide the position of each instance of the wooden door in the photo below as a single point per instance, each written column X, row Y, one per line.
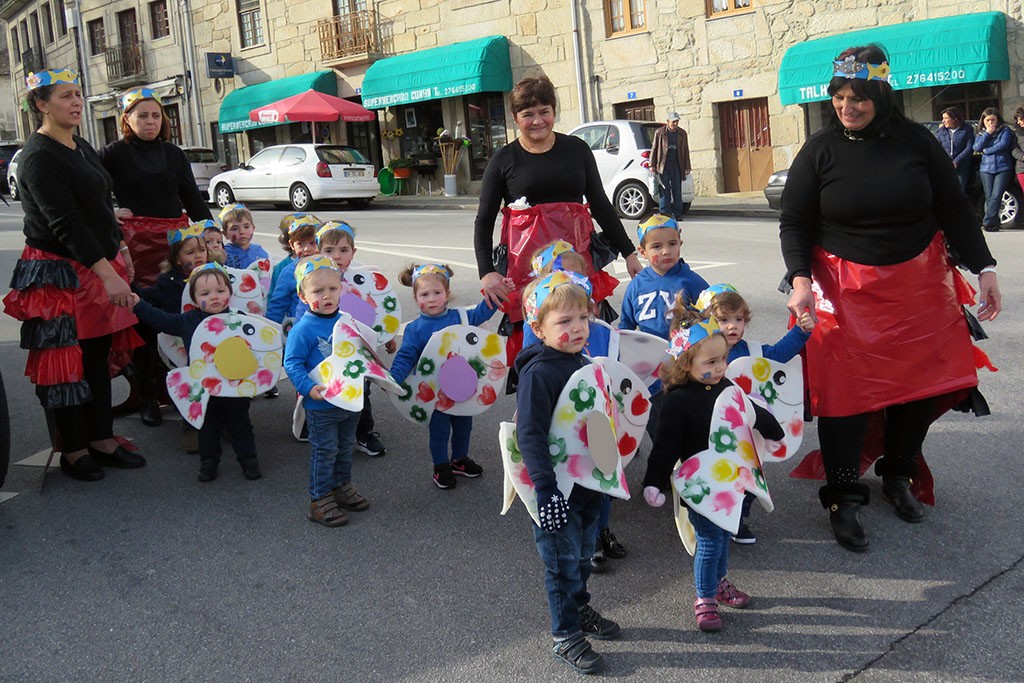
column 127, row 28
column 746, row 144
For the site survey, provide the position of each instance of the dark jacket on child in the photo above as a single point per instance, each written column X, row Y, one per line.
column 165, row 293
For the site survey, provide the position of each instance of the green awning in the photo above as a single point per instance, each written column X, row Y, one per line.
column 481, row 65
column 935, row 52
column 234, row 110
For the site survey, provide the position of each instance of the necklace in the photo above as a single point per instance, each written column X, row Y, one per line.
column 72, row 146
column 850, row 135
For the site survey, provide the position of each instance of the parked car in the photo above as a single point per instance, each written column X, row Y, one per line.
column 299, row 175
column 773, row 190
column 203, row 161
column 623, row 150
column 12, row 175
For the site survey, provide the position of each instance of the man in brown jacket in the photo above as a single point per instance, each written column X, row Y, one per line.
column 670, row 159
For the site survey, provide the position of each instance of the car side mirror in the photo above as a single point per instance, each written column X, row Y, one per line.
column 612, row 149
column 244, row 166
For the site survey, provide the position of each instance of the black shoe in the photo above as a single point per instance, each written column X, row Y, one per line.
column 896, row 490
column 744, row 536
column 443, row 476
column 992, row 228
column 467, row 467
column 596, row 626
column 371, row 445
column 598, row 563
column 845, row 519
column 576, row 653
column 273, row 393
column 207, row 471
column 611, row 546
column 121, row 458
column 251, row 469
column 151, row 415
column 84, row 469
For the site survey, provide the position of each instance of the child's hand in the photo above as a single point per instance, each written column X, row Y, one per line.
column 509, row 282
column 390, row 346
column 317, row 392
column 805, row 321
column 133, row 299
column 654, row 497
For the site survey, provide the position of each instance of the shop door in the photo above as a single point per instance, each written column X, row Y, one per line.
column 746, row 144
column 637, row 110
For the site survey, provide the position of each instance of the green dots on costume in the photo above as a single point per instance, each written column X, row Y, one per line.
column 607, row 483
column 427, row 367
column 390, row 304
column 557, row 450
column 724, row 440
column 695, row 490
column 478, row 367
column 417, row 413
column 354, row 369
column 768, row 392
column 513, row 450
column 583, row 396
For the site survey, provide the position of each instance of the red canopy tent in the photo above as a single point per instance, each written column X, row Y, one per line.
column 311, row 106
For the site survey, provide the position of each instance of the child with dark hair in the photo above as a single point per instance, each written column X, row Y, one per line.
column 214, row 238
column 239, row 229
column 301, row 239
column 285, row 240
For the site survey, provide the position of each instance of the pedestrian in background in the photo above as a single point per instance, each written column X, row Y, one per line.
column 670, row 159
column 957, row 139
column 995, row 141
column 1018, row 150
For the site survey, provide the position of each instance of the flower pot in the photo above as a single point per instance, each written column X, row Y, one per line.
column 402, row 172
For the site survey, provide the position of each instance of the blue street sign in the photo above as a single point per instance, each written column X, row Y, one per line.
column 220, row 65
column 631, row 96
column 737, row 93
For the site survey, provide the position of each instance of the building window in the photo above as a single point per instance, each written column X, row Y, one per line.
column 158, row 19
column 171, row 112
column 972, row 98
column 97, row 37
column 719, row 7
column 48, row 23
column 485, row 117
column 110, row 132
column 63, row 20
column 15, row 46
column 625, row 16
column 637, row 110
column 250, row 22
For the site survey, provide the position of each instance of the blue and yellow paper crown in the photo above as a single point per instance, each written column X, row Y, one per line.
column 658, row 220
column 212, row 265
column 429, row 269
column 39, row 79
column 335, row 225
column 708, row 295
column 851, row 68
column 310, row 265
column 532, row 304
column 227, row 209
column 191, row 230
column 551, row 253
column 682, row 338
column 302, row 220
column 133, row 97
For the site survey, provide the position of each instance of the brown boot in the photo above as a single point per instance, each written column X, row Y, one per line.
column 349, row 499
column 325, row 511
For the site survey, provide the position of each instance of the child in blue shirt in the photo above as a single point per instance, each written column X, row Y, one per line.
column 430, row 288
column 332, row 430
column 284, row 239
column 284, row 298
column 240, row 251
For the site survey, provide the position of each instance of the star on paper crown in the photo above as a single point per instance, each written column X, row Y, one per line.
column 228, row 209
column 301, row 220
column 548, row 256
column 531, row 307
column 658, row 220
column 133, row 97
column 334, row 225
column 851, row 68
column 686, row 336
column 191, row 230
column 39, row 79
column 429, row 269
column 708, row 295
column 212, row 265
column 311, row 265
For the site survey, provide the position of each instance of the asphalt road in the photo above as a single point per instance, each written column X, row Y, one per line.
column 151, row 576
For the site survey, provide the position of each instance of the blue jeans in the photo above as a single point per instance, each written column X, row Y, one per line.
column 995, row 184
column 671, row 202
column 443, row 425
column 332, row 435
column 606, row 513
column 566, row 555
column 711, row 561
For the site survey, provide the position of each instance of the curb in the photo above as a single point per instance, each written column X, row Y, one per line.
column 704, row 212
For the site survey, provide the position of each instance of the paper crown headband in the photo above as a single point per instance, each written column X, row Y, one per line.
column 851, row 68
column 41, row 78
column 311, row 265
column 548, row 256
column 335, row 225
column 658, row 220
column 684, row 337
column 133, row 97
column 190, row 230
column 211, row 266
column 301, row 220
column 708, row 295
column 429, row 269
column 229, row 208
column 531, row 307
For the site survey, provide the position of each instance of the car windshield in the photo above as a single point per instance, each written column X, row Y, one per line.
column 201, row 156
column 341, row 155
column 7, row 151
column 644, row 134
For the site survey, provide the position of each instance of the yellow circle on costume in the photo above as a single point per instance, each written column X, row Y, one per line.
column 446, row 344
column 268, row 335
column 344, row 349
column 272, row 361
column 724, row 470
column 326, row 370
column 761, row 369
column 352, row 392
column 492, row 347
column 246, row 388
column 747, row 451
column 566, row 415
column 391, row 324
column 234, row 359
column 197, row 369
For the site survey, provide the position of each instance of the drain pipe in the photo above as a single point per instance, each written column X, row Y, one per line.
column 576, row 57
column 192, row 82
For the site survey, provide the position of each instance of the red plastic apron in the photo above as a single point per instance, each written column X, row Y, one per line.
column 147, row 241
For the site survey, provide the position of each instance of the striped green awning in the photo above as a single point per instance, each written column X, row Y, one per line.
column 234, row 110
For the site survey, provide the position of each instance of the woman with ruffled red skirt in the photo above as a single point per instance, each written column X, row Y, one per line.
column 70, row 286
column 874, row 223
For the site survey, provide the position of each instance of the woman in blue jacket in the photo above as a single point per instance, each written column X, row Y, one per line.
column 995, row 141
column 957, row 139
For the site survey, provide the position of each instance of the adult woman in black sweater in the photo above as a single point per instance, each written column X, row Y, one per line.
column 553, row 172
column 153, row 182
column 868, row 204
column 70, row 285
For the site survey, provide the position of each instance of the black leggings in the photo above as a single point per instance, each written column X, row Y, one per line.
column 91, row 421
column 842, row 439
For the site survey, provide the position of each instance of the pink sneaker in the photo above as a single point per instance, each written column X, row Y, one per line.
column 731, row 595
column 706, row 612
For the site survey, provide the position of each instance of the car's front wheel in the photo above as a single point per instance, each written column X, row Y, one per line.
column 1009, row 209
column 12, row 187
column 224, row 196
column 632, row 200
column 300, row 198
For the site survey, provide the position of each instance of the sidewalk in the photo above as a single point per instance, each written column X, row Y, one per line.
column 740, row 204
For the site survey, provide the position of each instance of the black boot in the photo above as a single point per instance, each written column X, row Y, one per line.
column 843, row 503
column 896, row 490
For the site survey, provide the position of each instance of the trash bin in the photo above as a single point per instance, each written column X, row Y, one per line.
column 450, row 189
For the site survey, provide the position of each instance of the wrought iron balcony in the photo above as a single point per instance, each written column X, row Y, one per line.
column 32, row 60
column 350, row 38
column 125, row 65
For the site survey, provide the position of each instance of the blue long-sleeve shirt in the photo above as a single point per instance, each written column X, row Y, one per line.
column 782, row 351
column 276, row 272
column 308, row 344
column 418, row 332
column 647, row 303
column 284, row 297
column 236, row 257
column 598, row 340
column 182, row 325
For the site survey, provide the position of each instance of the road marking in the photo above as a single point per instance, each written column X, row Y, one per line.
column 38, row 459
column 414, row 246
column 6, row 496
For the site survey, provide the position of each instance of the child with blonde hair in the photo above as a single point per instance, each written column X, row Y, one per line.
column 240, row 251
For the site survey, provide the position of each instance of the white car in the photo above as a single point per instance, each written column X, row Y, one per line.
column 12, row 175
column 299, row 175
column 623, row 149
column 203, row 161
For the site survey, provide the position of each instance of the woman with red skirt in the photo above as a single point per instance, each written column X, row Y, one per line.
column 152, row 182
column 869, row 207
column 70, row 286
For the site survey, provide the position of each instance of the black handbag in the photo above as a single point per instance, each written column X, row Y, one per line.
column 601, row 251
column 499, row 258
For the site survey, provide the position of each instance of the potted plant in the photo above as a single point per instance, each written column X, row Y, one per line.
column 401, row 167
